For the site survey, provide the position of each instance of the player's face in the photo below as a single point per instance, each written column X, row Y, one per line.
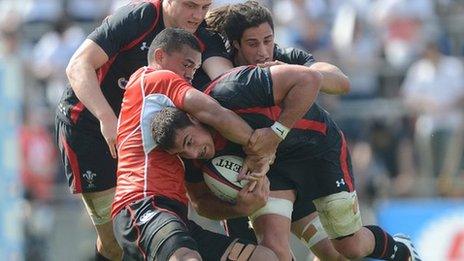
column 256, row 45
column 186, row 14
column 184, row 62
column 194, row 142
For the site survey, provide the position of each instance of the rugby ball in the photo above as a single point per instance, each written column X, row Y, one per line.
column 220, row 175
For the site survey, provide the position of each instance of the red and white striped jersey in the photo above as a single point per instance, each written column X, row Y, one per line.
column 144, row 170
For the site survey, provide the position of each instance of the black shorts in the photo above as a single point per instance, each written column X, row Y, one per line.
column 149, row 231
column 87, row 160
column 314, row 172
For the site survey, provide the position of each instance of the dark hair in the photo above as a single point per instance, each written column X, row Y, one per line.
column 231, row 21
column 172, row 40
column 165, row 124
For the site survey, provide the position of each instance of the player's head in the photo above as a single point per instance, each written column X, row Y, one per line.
column 178, row 133
column 186, row 14
column 176, row 50
column 249, row 29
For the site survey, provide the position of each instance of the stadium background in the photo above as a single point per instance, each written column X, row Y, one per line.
column 406, row 137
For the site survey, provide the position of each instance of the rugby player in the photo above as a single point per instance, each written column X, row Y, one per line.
column 312, row 165
column 249, row 29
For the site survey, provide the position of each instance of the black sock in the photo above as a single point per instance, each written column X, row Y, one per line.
column 99, row 256
column 386, row 247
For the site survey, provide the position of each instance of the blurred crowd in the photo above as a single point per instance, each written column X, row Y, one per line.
column 403, row 117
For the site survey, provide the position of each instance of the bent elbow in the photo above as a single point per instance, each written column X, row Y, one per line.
column 346, row 85
column 69, row 69
column 314, row 79
column 72, row 68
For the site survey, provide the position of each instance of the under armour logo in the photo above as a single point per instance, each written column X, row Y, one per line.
column 340, row 182
column 395, row 248
column 144, row 46
column 122, row 82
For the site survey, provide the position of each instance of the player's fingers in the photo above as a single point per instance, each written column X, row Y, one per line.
column 112, row 147
column 115, row 151
column 266, row 186
column 271, row 161
column 244, row 190
column 252, row 185
column 261, row 186
column 243, row 171
column 251, row 178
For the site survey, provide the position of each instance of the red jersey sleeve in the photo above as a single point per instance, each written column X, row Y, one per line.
column 167, row 83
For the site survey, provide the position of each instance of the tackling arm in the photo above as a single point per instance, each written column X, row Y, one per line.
column 210, row 206
column 295, row 89
column 210, row 112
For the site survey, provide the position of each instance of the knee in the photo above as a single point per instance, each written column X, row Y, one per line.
column 110, row 249
column 324, row 250
column 279, row 247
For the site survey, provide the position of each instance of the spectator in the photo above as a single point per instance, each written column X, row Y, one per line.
column 434, row 91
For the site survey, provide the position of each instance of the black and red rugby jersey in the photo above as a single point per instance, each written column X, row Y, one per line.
column 247, row 90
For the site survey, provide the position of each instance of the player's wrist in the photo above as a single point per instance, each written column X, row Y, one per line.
column 280, row 130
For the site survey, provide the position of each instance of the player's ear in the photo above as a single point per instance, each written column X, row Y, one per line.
column 193, row 119
column 236, row 44
column 159, row 55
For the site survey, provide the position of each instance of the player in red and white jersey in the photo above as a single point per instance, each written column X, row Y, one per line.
column 86, row 117
column 149, row 210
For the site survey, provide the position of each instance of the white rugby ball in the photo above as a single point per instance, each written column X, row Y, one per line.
column 220, row 175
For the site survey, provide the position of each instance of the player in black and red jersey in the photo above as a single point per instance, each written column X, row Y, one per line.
column 98, row 73
column 312, row 165
column 249, row 30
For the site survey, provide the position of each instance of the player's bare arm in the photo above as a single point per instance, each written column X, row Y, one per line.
column 216, row 65
column 210, row 206
column 334, row 81
column 210, row 112
column 295, row 89
column 83, row 79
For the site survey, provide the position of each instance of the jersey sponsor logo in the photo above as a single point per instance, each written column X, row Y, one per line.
column 146, row 216
column 122, row 83
column 340, row 182
column 144, row 46
column 89, row 177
